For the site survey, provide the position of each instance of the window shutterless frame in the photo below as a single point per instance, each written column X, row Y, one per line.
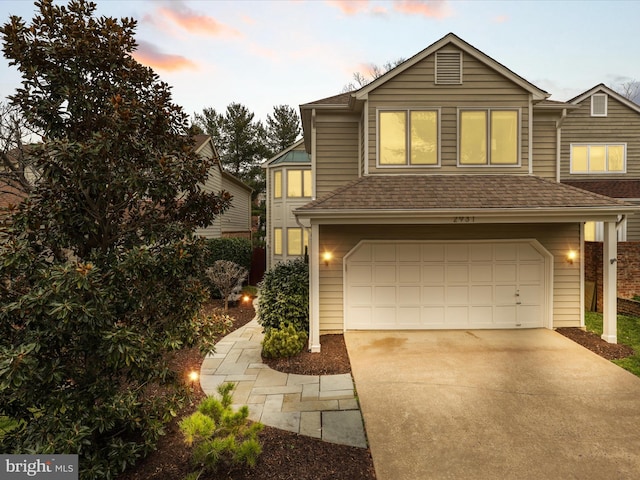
column 486, row 123
column 408, row 136
column 597, row 158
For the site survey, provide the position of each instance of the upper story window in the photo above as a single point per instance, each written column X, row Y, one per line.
column 408, row 137
column 277, row 184
column 488, row 137
column 598, row 158
column 599, row 103
column 298, row 183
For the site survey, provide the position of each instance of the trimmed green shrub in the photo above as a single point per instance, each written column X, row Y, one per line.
column 285, row 341
column 236, row 250
column 219, row 436
column 284, row 296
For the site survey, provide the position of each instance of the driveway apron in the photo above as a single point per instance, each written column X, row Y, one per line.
column 488, row 404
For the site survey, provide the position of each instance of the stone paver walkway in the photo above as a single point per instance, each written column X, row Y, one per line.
column 320, row 406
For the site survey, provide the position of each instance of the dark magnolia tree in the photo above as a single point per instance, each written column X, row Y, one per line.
column 99, row 268
column 283, row 128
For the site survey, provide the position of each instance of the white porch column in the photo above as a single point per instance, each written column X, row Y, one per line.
column 609, row 283
column 314, row 290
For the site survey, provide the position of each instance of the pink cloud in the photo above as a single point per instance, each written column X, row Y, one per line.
column 501, row 19
column 351, row 7
column 438, row 9
column 187, row 19
column 149, row 55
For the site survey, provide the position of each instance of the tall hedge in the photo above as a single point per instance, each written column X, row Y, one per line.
column 236, row 250
column 284, row 296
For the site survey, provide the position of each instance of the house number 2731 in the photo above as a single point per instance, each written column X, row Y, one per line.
column 463, row 219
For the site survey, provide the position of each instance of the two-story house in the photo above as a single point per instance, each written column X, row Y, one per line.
column 436, row 202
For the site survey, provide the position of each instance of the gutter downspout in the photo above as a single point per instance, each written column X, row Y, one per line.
column 559, row 142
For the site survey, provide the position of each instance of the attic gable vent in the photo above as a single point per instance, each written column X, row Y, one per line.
column 599, row 105
column 448, row 68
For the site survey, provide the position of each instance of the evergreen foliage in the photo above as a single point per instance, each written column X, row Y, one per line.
column 284, row 341
column 284, row 296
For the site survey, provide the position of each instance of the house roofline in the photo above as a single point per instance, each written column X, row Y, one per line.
column 601, row 87
column 451, row 38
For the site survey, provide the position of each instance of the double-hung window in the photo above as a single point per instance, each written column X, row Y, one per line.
column 598, row 158
column 408, row 137
column 297, row 240
column 488, row 137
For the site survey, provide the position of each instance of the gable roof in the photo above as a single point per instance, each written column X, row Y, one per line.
column 292, row 154
column 602, row 88
column 452, row 39
column 414, row 196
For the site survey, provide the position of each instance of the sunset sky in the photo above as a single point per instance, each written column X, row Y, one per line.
column 268, row 53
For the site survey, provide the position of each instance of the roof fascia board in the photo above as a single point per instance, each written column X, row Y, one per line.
column 537, row 93
column 467, row 217
column 612, row 93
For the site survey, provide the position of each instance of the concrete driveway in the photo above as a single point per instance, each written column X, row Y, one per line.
column 494, row 404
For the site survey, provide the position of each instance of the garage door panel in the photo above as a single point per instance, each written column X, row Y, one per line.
column 444, row 285
column 481, row 316
column 482, row 295
column 409, row 273
column 384, row 295
column 433, row 295
column 361, row 295
column 457, row 273
column 457, row 295
column 432, row 273
column 481, row 273
column 409, row 295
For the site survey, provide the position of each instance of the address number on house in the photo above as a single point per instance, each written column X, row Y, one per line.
column 464, row 219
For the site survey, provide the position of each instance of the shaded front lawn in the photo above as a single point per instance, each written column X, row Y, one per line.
column 628, row 334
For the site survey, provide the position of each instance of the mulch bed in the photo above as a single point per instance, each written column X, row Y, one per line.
column 287, row 455
column 590, row 340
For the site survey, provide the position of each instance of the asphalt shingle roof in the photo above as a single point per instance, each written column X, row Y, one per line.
column 610, row 188
column 435, row 192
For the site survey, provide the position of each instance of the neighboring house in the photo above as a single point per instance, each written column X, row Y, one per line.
column 436, row 202
column 288, row 187
column 236, row 221
column 600, row 151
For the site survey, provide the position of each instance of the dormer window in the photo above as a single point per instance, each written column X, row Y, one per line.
column 599, row 105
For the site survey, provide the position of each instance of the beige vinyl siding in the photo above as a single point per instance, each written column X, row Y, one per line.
column 238, row 217
column 556, row 238
column 621, row 125
column 481, row 87
column 544, row 145
column 633, row 225
column 336, row 154
column 213, row 184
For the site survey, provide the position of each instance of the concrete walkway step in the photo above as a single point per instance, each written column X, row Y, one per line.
column 320, row 406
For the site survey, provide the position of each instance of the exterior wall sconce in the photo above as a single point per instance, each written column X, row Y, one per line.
column 572, row 255
column 326, row 257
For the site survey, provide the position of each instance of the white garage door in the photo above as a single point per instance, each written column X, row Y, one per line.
column 442, row 285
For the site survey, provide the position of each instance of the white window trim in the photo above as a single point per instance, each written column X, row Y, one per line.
column 408, row 110
column 596, row 144
column 518, row 164
column 606, row 104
